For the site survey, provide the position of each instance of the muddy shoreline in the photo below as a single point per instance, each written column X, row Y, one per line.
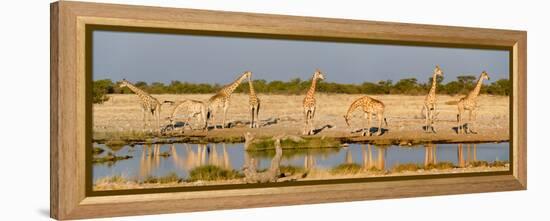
column 236, row 135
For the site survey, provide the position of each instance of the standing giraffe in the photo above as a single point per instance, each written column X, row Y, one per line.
column 222, row 98
column 430, row 101
column 254, row 103
column 148, row 102
column 309, row 103
column 370, row 106
column 469, row 102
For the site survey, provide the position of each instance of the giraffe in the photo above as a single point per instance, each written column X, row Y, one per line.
column 309, row 103
column 254, row 104
column 430, row 101
column 370, row 106
column 222, row 98
column 469, row 103
column 193, row 108
column 148, row 102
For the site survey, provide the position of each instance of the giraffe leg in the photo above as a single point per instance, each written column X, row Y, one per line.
column 158, row 119
column 432, row 121
column 379, row 117
column 144, row 119
column 311, row 121
column 204, row 121
column 458, row 126
column 251, row 117
column 427, row 117
column 189, row 121
column 365, row 116
column 213, row 116
column 461, row 122
column 468, row 128
column 367, row 133
column 258, row 115
column 225, row 108
column 474, row 112
column 429, row 120
column 306, row 116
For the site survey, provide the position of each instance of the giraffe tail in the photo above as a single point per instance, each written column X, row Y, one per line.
column 385, row 121
column 422, row 111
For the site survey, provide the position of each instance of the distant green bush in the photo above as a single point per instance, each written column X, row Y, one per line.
column 408, row 86
column 100, row 89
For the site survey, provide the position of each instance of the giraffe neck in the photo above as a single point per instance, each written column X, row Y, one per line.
column 352, row 107
column 311, row 91
column 136, row 90
column 476, row 90
column 251, row 86
column 434, row 84
column 228, row 90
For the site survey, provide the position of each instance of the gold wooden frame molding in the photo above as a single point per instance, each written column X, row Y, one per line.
column 68, row 199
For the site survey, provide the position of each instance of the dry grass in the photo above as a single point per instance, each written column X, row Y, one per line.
column 212, row 175
column 406, row 167
column 169, row 178
column 346, row 168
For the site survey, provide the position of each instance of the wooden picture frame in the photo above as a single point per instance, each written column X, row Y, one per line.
column 69, row 199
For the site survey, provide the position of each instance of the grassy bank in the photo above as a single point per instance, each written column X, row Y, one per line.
column 213, row 175
column 211, row 172
column 268, row 143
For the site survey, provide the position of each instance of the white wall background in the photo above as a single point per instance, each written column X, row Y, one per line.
column 24, row 109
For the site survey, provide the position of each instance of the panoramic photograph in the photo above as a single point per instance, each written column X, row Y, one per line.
column 181, row 110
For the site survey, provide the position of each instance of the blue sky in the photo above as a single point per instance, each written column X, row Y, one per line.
column 152, row 57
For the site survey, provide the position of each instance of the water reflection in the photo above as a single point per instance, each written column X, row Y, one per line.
column 471, row 154
column 161, row 159
column 367, row 156
column 430, row 155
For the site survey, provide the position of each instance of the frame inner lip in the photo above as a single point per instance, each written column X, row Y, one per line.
column 90, row 27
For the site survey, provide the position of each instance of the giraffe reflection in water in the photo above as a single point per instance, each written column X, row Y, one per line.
column 368, row 160
column 430, row 154
column 471, row 154
column 309, row 161
column 204, row 155
column 157, row 160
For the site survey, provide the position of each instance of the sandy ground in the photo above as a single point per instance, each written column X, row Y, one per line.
column 405, row 121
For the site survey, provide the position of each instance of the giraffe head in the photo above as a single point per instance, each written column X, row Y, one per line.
column 484, row 75
column 246, row 75
column 346, row 117
column 438, row 71
column 124, row 83
column 318, row 75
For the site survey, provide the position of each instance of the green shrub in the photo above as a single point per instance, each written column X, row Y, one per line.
column 211, row 172
column 498, row 163
column 100, row 89
column 407, row 167
column 440, row 166
column 409, row 86
column 289, row 169
column 480, row 163
column 346, row 168
column 169, row 178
